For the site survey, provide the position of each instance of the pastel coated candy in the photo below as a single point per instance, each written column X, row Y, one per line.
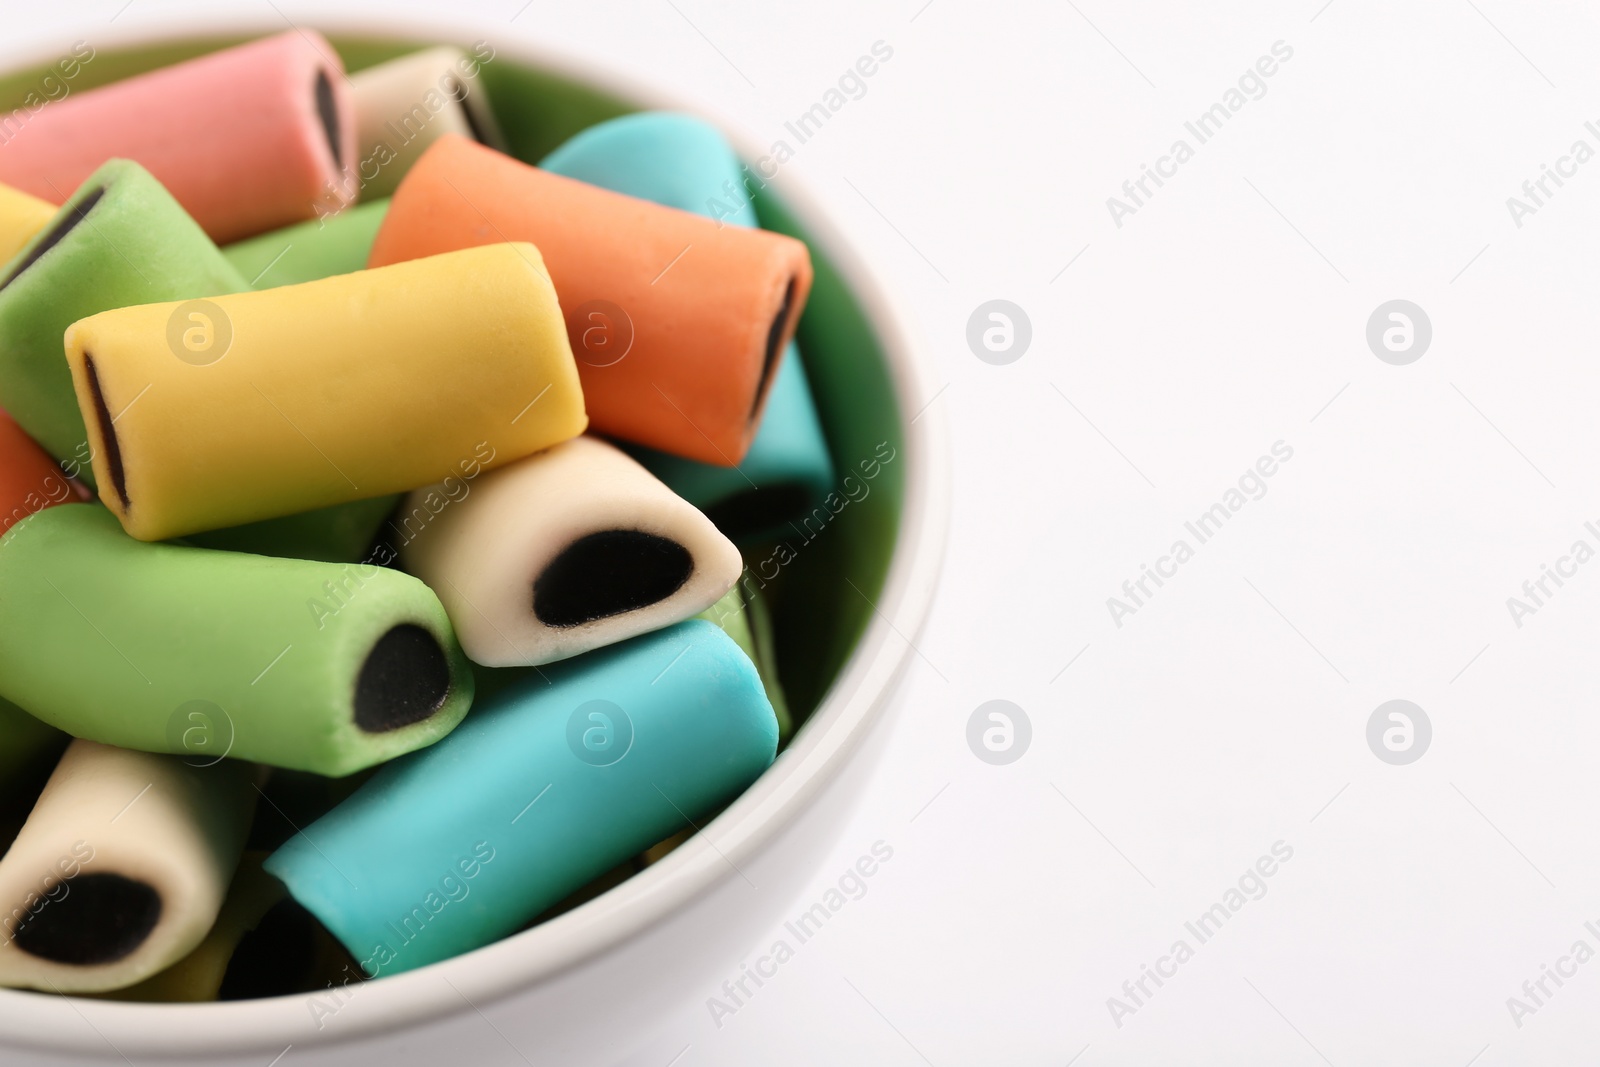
column 686, row 163
column 29, row 480
column 248, row 139
column 685, row 321
column 544, row 788
column 310, row 395
column 309, row 251
column 565, row 551
column 742, row 615
column 120, row 240
column 406, row 104
column 120, row 869
column 343, row 533
column 166, row 648
column 662, row 156
column 198, row 976
column 21, row 216
column 783, row 480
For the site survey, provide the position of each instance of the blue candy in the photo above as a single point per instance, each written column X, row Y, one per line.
column 546, row 786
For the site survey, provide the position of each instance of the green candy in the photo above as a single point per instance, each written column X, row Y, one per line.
column 743, row 616
column 339, row 534
column 120, row 240
column 310, row 251
column 28, row 749
column 166, row 648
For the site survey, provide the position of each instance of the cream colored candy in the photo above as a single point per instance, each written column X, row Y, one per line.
column 121, row 868
column 405, row 105
column 563, row 552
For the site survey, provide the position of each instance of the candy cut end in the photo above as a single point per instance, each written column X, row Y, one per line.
column 405, row 679
column 609, row 573
column 102, row 919
column 774, row 348
column 55, row 236
column 108, row 433
column 479, row 134
column 328, row 112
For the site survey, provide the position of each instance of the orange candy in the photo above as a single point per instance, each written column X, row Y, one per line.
column 678, row 323
column 30, row 481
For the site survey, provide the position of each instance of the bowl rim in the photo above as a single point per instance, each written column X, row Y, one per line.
column 851, row 706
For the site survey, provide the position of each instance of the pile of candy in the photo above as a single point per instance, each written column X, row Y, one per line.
column 456, row 479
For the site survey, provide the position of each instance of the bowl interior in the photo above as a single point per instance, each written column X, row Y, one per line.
column 822, row 582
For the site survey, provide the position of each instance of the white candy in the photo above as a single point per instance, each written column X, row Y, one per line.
column 405, row 105
column 618, row 537
column 153, row 824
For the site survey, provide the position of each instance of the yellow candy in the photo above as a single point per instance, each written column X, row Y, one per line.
column 214, row 413
column 21, row 216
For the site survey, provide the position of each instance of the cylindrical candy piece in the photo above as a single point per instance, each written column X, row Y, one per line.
column 198, row 976
column 335, row 390
column 686, row 163
column 406, row 104
column 565, row 551
column 542, row 789
column 784, row 478
column 120, row 240
column 663, row 156
column 678, row 323
column 29, row 480
column 165, row 648
column 343, row 533
column 21, row 216
column 310, row 251
column 248, row 139
column 120, row 869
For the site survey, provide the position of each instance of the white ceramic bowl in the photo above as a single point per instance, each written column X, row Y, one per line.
column 581, row 987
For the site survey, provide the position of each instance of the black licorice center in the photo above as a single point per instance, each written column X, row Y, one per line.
column 757, row 510
column 275, row 957
column 405, row 679
column 55, row 236
column 103, row 918
column 774, row 341
column 328, row 111
column 608, row 573
column 466, row 112
column 108, row 433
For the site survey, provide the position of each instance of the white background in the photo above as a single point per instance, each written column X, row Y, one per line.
column 1229, row 313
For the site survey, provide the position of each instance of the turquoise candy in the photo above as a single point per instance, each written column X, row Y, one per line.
column 544, row 787
column 685, row 163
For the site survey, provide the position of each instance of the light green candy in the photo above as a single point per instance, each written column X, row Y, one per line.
column 134, row 245
column 339, row 534
column 167, row 648
column 310, row 251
